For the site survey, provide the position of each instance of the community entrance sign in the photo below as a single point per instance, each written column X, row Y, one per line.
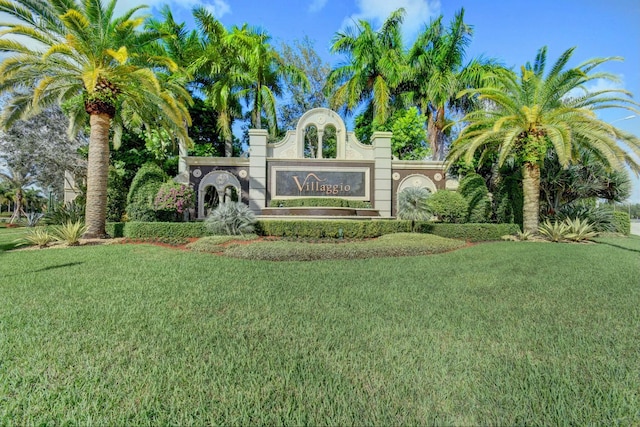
column 319, row 159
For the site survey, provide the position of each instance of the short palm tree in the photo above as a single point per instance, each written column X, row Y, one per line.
column 100, row 67
column 373, row 70
column 533, row 112
column 438, row 74
column 17, row 181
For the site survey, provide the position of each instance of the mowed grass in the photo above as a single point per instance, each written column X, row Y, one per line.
column 494, row 334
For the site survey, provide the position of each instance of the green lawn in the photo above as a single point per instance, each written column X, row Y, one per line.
column 494, row 334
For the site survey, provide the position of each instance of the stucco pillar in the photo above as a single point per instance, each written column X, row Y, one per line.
column 381, row 142
column 257, row 169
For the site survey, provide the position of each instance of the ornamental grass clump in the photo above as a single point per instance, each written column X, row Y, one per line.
column 231, row 218
column 579, row 230
column 555, row 231
column 38, row 236
column 70, row 233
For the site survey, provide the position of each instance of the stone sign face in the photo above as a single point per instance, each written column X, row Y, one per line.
column 296, row 182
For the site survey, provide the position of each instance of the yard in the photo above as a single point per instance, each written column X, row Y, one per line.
column 493, row 334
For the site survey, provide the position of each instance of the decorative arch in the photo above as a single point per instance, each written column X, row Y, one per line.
column 415, row 180
column 321, row 118
column 220, row 180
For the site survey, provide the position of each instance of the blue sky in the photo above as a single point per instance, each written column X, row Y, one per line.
column 511, row 31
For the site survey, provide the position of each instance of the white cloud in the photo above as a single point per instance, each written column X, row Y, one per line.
column 596, row 86
column 317, row 5
column 218, row 8
column 418, row 13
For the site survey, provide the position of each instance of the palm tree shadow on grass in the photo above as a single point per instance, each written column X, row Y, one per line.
column 619, row 247
column 50, row 267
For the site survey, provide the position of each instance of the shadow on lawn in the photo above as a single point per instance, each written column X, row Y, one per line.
column 619, row 247
column 51, row 267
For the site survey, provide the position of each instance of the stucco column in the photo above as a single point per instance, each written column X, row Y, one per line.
column 320, row 137
column 257, row 169
column 381, row 142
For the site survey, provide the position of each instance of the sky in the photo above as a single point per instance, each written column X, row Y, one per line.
column 508, row 30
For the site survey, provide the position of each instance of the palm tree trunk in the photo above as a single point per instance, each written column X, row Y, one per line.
column 531, row 194
column 436, row 135
column 17, row 209
column 97, row 174
column 228, row 146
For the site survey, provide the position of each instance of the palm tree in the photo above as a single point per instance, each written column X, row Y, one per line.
column 374, row 69
column 532, row 113
column 79, row 54
column 259, row 72
column 17, row 180
column 216, row 69
column 438, row 75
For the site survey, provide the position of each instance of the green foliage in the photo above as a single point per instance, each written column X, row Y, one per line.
column 555, row 231
column 38, row 236
column 579, row 230
column 621, row 222
column 320, row 202
column 409, row 135
column 474, row 190
column 448, row 206
column 471, row 232
column 231, row 218
column 390, row 245
column 116, row 194
column 412, row 205
column 64, row 213
column 601, row 217
column 509, row 198
column 142, row 193
column 148, row 230
column 319, row 229
column 70, row 233
column 115, row 229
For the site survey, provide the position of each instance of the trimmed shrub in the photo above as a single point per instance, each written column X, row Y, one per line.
column 475, row 192
column 319, row 229
column 472, row 232
column 115, row 229
column 448, row 206
column 150, row 230
column 320, row 202
column 143, row 191
column 116, row 194
column 622, row 222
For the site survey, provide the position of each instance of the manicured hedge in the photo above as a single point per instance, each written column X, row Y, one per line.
column 148, row 230
column 318, row 229
column 115, row 229
column 471, row 232
column 355, row 229
column 321, row 202
column 622, row 222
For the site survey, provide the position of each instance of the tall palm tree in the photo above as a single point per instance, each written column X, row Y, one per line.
column 533, row 112
column 78, row 53
column 260, row 71
column 17, row 180
column 374, row 68
column 438, row 74
column 216, row 69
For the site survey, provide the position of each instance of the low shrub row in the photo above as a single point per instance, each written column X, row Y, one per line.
column 328, row 202
column 318, row 229
column 472, row 232
column 391, row 245
column 149, row 230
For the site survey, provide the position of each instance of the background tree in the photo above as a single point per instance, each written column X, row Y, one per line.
column 41, row 144
column 535, row 112
column 100, row 67
column 17, row 179
column 298, row 98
